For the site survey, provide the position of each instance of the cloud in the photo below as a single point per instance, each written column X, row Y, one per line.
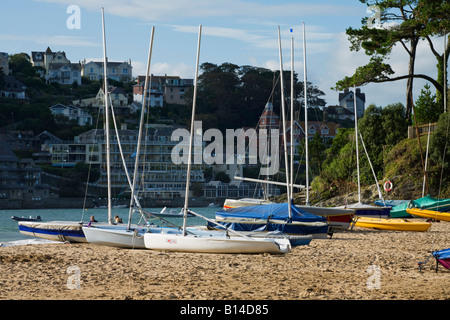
column 164, row 68
column 177, row 9
column 56, row 40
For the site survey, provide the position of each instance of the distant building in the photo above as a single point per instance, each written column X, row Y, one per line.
column 119, row 71
column 81, row 116
column 118, row 98
column 19, row 179
column 340, row 113
column 4, row 63
column 57, row 67
column 12, row 88
column 161, row 178
column 346, row 100
column 168, row 89
column 270, row 120
column 326, row 129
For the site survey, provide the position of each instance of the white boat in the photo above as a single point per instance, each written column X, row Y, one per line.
column 115, row 235
column 212, row 241
column 215, row 244
column 119, row 235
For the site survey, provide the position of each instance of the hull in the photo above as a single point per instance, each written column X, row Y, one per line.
column 367, row 210
column 339, row 219
column 53, row 230
column 427, row 202
column 244, row 202
column 25, row 219
column 115, row 236
column 272, row 218
column 430, row 214
column 392, row 224
column 214, row 244
column 295, row 240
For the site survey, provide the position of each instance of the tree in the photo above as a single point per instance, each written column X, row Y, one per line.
column 440, row 149
column 21, row 63
column 231, row 97
column 426, row 107
column 403, row 22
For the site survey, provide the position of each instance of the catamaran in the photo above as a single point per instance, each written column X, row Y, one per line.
column 209, row 241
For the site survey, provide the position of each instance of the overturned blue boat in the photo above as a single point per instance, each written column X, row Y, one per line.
column 273, row 218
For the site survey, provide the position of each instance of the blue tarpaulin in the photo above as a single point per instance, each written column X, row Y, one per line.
column 272, row 217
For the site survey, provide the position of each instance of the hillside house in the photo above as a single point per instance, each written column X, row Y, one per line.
column 119, row 71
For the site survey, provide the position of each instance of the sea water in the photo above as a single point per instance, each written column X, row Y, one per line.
column 9, row 228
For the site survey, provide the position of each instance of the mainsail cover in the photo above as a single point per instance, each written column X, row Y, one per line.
column 272, row 217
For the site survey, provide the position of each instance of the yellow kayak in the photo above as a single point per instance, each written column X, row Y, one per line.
column 392, row 224
column 443, row 216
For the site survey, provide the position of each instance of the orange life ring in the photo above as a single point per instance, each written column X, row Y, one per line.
column 388, row 186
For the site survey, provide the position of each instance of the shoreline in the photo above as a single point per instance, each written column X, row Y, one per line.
column 362, row 264
column 76, row 203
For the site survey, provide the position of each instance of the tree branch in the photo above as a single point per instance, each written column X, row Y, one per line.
column 436, row 84
column 405, row 47
column 437, row 55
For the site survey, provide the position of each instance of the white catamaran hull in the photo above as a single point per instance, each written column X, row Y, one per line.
column 214, row 244
column 115, row 236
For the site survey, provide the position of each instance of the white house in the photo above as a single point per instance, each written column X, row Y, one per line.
column 57, row 67
column 64, row 73
column 346, row 100
column 73, row 113
column 119, row 71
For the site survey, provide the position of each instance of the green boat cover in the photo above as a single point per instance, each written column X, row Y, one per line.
column 427, row 202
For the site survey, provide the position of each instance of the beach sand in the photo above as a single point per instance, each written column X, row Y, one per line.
column 359, row 264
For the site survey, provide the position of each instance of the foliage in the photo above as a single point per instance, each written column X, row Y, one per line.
column 381, row 129
column 402, row 23
column 440, row 149
column 426, row 108
column 230, row 96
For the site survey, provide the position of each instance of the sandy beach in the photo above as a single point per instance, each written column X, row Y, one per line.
column 362, row 264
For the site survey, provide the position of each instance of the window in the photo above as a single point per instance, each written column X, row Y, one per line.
column 325, row 130
column 125, row 70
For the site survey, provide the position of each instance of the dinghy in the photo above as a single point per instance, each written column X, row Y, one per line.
column 69, row 231
column 392, row 224
column 430, row 214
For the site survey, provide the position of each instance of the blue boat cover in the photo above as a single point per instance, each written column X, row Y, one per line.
column 304, row 222
column 442, row 254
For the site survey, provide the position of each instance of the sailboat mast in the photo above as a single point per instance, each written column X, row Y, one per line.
column 141, row 124
column 306, row 118
column 292, row 117
column 356, row 141
column 108, row 147
column 284, row 125
column 194, row 102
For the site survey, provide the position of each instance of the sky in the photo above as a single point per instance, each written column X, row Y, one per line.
column 236, row 31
